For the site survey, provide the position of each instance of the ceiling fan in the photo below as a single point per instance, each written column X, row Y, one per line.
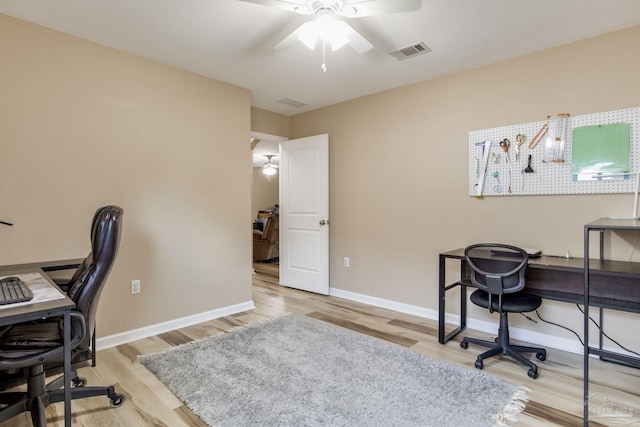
column 269, row 169
column 326, row 26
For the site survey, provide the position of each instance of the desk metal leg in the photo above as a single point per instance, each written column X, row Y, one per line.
column 443, row 338
column 442, row 295
column 67, row 368
column 585, row 361
column 463, row 296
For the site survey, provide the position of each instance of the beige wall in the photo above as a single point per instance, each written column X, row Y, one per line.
column 398, row 169
column 83, row 125
column 264, row 193
column 264, row 121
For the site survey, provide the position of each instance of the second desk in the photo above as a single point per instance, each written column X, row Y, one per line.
column 613, row 285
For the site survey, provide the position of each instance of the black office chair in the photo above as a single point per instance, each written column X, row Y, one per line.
column 67, row 279
column 498, row 271
column 34, row 345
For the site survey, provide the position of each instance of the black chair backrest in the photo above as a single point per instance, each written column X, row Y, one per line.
column 88, row 281
column 89, row 259
column 497, row 268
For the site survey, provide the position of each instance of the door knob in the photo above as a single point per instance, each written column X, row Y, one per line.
column 323, row 222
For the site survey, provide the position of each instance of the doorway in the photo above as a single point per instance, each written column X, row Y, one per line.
column 301, row 215
column 265, row 195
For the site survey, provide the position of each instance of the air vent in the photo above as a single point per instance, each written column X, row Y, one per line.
column 292, row 102
column 410, row 51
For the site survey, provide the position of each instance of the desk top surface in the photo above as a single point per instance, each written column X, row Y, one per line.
column 613, row 224
column 622, row 268
column 22, row 312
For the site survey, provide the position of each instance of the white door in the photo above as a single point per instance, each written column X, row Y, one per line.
column 304, row 214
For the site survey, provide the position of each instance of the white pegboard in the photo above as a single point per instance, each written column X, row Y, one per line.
column 547, row 177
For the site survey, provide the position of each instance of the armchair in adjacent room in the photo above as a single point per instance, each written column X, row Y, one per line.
column 266, row 243
column 498, row 271
column 34, row 346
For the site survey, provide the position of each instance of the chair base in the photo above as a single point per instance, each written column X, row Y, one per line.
column 38, row 396
column 502, row 346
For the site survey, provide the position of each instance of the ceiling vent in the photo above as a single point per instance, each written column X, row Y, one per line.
column 410, row 51
column 292, row 102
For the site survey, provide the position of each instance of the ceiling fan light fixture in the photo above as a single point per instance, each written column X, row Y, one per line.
column 325, row 27
column 338, row 37
column 330, row 29
column 269, row 169
column 308, row 34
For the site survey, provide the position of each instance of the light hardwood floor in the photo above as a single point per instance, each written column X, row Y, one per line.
column 555, row 399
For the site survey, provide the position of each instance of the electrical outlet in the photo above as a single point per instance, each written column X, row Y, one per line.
column 346, row 261
column 135, row 286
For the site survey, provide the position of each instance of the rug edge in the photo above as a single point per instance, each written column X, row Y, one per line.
column 512, row 410
column 141, row 357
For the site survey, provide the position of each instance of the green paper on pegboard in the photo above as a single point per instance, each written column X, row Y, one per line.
column 601, row 149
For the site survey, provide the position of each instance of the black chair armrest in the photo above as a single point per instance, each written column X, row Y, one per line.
column 65, row 264
column 62, row 271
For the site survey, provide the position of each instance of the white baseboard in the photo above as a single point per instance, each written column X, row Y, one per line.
column 385, row 303
column 537, row 338
column 160, row 328
column 527, row 335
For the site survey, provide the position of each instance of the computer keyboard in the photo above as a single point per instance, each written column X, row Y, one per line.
column 13, row 290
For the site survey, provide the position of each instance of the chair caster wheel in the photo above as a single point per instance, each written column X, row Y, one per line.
column 116, row 400
column 533, row 373
column 464, row 344
column 541, row 356
column 479, row 364
column 79, row 382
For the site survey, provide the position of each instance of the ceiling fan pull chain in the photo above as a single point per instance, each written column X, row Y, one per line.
column 324, row 55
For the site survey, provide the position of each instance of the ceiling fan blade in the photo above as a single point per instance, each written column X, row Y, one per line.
column 356, row 41
column 360, row 8
column 297, row 6
column 294, row 38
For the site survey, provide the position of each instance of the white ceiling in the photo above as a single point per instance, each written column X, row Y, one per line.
column 233, row 41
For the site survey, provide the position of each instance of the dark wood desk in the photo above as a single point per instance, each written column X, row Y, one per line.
column 10, row 315
column 613, row 285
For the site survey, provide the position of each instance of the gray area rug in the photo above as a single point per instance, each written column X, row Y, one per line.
column 298, row 371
